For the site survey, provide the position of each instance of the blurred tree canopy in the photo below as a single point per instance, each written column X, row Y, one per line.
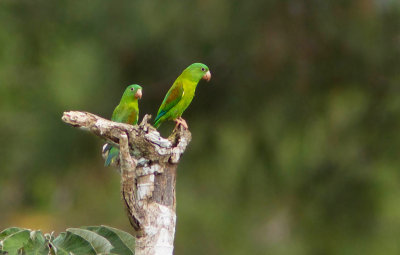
column 295, row 140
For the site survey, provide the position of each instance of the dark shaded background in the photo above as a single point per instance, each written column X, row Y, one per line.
column 296, row 139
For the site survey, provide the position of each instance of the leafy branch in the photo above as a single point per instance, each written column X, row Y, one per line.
column 85, row 240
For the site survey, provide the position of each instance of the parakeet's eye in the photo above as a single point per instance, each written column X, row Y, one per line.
column 203, row 69
column 132, row 89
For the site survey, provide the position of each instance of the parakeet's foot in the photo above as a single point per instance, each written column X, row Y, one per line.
column 184, row 124
column 181, row 122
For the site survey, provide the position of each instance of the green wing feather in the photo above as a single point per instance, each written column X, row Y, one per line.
column 174, row 95
column 125, row 114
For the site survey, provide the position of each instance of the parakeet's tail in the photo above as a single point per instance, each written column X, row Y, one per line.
column 112, row 155
column 159, row 119
column 157, row 123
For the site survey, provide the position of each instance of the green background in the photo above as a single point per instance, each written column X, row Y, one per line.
column 296, row 139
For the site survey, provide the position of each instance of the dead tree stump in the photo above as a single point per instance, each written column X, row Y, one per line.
column 147, row 164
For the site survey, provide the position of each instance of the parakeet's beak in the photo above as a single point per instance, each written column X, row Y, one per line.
column 207, row 76
column 138, row 94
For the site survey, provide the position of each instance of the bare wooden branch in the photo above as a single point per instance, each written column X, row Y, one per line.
column 148, row 164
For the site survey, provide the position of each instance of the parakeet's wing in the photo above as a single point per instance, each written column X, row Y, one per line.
column 125, row 114
column 174, row 95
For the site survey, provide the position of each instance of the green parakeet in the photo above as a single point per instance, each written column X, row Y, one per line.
column 127, row 112
column 180, row 95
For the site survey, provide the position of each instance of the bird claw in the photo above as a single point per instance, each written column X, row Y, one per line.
column 180, row 121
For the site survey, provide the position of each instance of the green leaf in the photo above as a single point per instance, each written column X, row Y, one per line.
column 69, row 242
column 15, row 241
column 86, row 241
column 9, row 231
column 127, row 238
column 37, row 244
column 123, row 242
column 99, row 243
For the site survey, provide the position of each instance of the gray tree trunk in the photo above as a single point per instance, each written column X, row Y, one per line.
column 148, row 166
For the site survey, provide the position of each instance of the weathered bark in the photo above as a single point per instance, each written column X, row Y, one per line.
column 148, row 166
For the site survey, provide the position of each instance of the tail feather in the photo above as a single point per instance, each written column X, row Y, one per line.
column 112, row 156
column 157, row 123
column 159, row 119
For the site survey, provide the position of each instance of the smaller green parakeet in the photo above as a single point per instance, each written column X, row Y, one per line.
column 127, row 111
column 180, row 95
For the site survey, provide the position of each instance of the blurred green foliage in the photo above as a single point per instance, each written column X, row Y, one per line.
column 84, row 240
column 296, row 139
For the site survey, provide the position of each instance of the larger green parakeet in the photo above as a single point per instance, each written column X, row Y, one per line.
column 127, row 112
column 180, row 95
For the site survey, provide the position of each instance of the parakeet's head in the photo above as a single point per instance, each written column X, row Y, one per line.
column 197, row 71
column 133, row 91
